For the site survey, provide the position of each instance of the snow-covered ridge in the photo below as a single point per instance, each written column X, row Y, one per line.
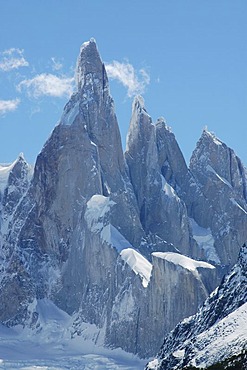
column 212, row 136
column 183, row 261
column 4, row 174
column 138, row 264
column 87, row 43
column 223, row 340
column 5, row 170
column 227, row 337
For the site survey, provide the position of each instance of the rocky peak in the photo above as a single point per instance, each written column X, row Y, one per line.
column 140, row 125
column 138, row 104
column 90, row 66
column 212, row 155
column 171, row 161
column 92, row 95
column 221, row 178
column 17, row 174
column 153, row 168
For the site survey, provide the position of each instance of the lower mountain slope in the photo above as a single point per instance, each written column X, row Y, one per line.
column 216, row 333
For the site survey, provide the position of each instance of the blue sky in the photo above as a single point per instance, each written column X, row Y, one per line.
column 188, row 58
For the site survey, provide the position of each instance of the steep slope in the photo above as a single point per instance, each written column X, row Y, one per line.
column 77, row 233
column 149, row 299
column 219, row 327
column 82, row 157
column 14, row 182
column 155, row 165
column 220, row 204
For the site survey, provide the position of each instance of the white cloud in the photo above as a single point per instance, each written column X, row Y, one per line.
column 56, row 65
column 8, row 105
column 47, row 84
column 134, row 81
column 12, row 59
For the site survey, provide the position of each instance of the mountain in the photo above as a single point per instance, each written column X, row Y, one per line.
column 14, row 182
column 162, row 213
column 221, row 206
column 217, row 332
column 119, row 241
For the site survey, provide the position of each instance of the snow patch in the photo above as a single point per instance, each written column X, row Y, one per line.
column 213, row 137
column 183, row 261
column 179, row 353
column 70, row 115
column 205, row 241
column 222, row 179
column 97, row 208
column 138, row 264
column 113, row 237
column 153, row 365
column 96, row 217
column 238, row 205
column 168, row 189
column 4, row 174
column 53, row 347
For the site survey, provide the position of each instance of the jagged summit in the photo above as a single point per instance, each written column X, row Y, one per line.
column 90, row 65
column 138, row 103
column 209, row 135
column 92, row 88
column 6, row 169
column 21, row 156
column 140, row 123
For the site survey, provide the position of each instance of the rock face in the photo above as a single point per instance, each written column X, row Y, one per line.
column 219, row 204
column 14, row 180
column 114, row 240
column 191, row 340
column 162, row 212
column 82, row 157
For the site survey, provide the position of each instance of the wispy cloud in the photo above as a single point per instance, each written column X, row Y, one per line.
column 135, row 81
column 47, row 84
column 12, row 59
column 8, row 105
column 56, row 65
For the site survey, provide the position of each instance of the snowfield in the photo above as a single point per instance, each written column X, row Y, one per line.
column 50, row 346
column 223, row 340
